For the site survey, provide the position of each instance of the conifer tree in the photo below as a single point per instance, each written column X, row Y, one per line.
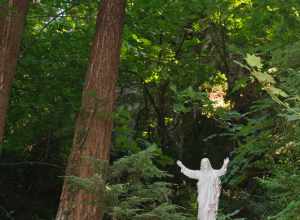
column 12, row 19
column 94, row 124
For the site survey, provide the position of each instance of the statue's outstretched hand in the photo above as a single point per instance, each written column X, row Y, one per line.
column 226, row 161
column 179, row 163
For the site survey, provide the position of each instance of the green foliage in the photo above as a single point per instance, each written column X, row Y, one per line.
column 124, row 141
column 268, row 153
column 189, row 99
column 135, row 189
column 174, row 53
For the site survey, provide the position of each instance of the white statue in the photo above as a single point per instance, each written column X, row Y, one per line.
column 209, row 187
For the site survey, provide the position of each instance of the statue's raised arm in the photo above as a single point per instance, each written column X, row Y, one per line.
column 223, row 169
column 193, row 174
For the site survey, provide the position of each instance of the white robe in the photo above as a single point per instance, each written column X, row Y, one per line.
column 209, row 188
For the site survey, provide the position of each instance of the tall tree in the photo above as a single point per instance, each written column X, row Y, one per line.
column 12, row 18
column 94, row 124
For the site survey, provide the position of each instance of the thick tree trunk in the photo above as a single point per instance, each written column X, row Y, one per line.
column 12, row 18
column 94, row 124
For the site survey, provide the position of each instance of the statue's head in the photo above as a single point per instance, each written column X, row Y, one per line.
column 205, row 164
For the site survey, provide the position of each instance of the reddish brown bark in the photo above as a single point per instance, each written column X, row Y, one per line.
column 94, row 124
column 12, row 18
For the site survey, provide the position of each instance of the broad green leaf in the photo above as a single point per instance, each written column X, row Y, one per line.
column 276, row 91
column 263, row 77
column 253, row 61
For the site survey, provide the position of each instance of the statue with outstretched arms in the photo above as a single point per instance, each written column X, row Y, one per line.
column 209, row 187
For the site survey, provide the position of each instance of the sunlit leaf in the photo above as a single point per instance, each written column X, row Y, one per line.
column 263, row 77
column 253, row 61
column 276, row 91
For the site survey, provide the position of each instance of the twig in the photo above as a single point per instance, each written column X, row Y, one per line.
column 60, row 14
column 31, row 163
column 56, row 17
column 7, row 213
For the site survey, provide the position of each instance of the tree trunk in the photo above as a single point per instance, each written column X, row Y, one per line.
column 94, row 124
column 12, row 18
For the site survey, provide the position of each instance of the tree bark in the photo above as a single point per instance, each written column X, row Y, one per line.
column 94, row 124
column 12, row 19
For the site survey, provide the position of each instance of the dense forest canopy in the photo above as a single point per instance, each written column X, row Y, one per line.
column 197, row 78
